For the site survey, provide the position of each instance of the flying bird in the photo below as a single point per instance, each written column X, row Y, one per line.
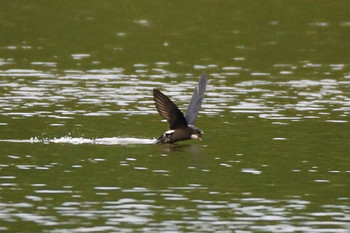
column 180, row 127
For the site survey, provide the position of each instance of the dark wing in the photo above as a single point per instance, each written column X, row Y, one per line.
column 196, row 101
column 169, row 111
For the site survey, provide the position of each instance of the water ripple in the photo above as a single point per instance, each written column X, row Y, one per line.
column 26, row 90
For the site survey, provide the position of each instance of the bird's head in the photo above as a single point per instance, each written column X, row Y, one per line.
column 196, row 133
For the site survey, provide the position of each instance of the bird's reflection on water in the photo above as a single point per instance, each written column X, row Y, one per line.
column 186, row 148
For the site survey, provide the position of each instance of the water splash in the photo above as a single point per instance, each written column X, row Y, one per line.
column 80, row 140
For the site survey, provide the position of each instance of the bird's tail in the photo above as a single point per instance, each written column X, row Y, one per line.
column 160, row 140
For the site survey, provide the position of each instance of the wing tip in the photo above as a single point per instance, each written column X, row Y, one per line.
column 155, row 90
column 203, row 78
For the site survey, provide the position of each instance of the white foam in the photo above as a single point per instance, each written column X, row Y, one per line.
column 80, row 140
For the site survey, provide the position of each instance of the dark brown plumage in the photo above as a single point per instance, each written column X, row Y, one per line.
column 180, row 127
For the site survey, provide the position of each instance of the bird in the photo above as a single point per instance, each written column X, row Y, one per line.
column 181, row 127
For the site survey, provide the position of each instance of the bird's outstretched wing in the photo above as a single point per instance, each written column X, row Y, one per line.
column 196, row 101
column 169, row 111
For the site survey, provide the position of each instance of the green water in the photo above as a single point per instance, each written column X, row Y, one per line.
column 78, row 122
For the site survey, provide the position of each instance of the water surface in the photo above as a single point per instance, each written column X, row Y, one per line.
column 78, row 122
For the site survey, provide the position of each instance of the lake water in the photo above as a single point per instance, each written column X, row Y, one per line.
column 78, row 121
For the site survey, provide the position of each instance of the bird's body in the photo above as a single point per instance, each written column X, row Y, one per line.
column 180, row 127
